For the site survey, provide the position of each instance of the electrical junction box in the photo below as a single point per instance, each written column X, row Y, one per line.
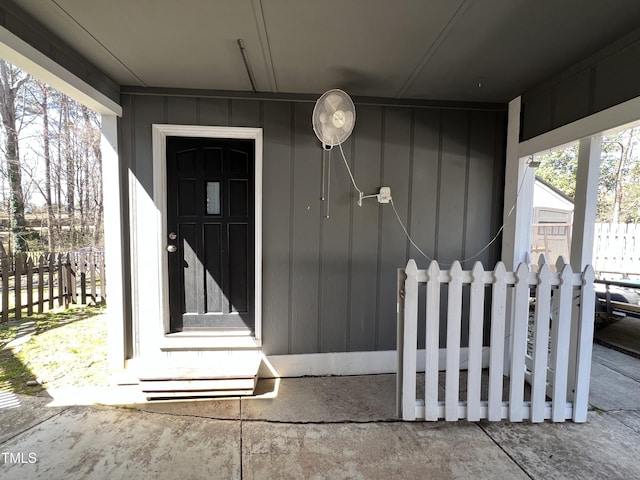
column 385, row 195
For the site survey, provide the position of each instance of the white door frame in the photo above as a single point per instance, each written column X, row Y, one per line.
column 199, row 340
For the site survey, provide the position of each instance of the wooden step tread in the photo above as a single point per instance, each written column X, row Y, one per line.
column 236, row 368
column 220, row 378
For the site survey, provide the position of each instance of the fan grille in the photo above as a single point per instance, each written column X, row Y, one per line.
column 334, row 117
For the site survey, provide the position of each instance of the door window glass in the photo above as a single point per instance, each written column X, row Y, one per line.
column 213, row 198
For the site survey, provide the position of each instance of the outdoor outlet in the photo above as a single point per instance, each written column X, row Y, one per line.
column 385, row 195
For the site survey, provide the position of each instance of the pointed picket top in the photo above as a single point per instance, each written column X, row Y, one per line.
column 544, row 273
column 561, row 262
column 477, row 272
column 543, row 259
column 29, row 262
column 500, row 272
column 3, row 252
column 456, row 270
column 522, row 272
column 588, row 275
column 433, row 272
column 411, row 269
column 564, row 269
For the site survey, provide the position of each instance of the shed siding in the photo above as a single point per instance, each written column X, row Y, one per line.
column 329, row 283
column 607, row 78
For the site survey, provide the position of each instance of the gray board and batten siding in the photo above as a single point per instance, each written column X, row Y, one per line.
column 329, row 285
column 607, row 78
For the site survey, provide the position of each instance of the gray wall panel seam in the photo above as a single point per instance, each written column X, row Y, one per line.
column 291, row 207
column 438, row 189
column 350, row 247
column 465, row 214
column 320, row 292
column 410, row 181
column 380, row 212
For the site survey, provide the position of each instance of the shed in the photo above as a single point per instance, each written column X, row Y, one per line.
column 552, row 221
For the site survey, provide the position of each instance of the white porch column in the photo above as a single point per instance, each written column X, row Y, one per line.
column 518, row 200
column 586, row 200
column 113, row 241
column 582, row 239
column 518, row 194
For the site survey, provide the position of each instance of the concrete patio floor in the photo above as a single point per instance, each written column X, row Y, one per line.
column 321, row 427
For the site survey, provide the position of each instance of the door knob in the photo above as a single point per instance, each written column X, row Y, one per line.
column 172, row 248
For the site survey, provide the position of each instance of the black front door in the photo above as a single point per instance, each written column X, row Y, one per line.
column 210, row 227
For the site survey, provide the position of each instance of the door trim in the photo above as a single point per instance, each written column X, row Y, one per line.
column 218, row 339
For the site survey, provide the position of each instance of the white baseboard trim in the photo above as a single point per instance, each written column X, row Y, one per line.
column 349, row 363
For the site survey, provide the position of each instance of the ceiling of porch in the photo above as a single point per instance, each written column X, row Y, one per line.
column 466, row 50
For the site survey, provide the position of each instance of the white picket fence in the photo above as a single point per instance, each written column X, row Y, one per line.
column 617, row 248
column 549, row 348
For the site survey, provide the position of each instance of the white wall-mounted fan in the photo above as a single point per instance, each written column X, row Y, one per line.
column 334, row 117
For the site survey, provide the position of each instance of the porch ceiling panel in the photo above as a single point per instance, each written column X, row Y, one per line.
column 500, row 48
column 369, row 47
column 159, row 43
column 432, row 49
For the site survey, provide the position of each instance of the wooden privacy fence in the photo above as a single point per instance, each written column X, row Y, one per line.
column 35, row 283
column 545, row 352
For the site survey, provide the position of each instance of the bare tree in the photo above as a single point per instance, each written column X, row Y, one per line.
column 11, row 81
column 625, row 156
column 44, row 92
column 66, row 169
column 92, row 136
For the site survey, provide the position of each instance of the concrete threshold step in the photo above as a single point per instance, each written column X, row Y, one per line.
column 229, row 378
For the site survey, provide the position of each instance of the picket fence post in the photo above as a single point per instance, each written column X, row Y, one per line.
column 432, row 342
column 410, row 340
column 41, row 269
column 61, row 281
column 474, row 358
column 560, row 338
column 17, row 283
column 29, row 286
column 496, row 360
column 585, row 346
column 454, row 321
column 519, row 343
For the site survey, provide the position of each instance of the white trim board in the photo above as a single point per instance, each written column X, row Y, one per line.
column 349, row 363
column 152, row 226
column 113, row 235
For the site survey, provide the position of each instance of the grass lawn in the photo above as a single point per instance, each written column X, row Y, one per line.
column 64, row 348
